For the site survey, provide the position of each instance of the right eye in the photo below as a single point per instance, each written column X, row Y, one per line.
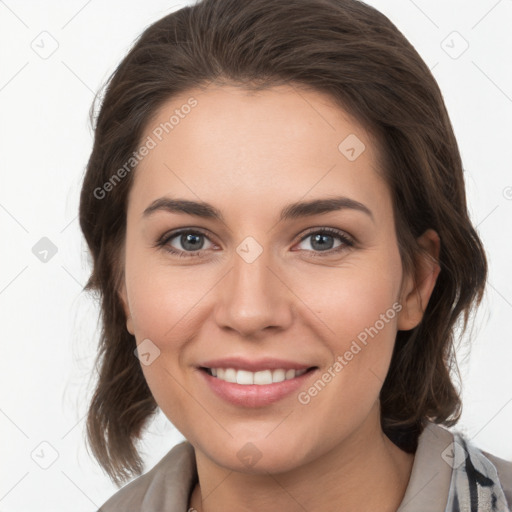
column 190, row 240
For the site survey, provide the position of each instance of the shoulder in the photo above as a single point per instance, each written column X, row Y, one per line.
column 450, row 473
column 165, row 487
column 504, row 472
column 481, row 477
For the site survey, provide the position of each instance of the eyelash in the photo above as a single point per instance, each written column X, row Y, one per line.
column 347, row 242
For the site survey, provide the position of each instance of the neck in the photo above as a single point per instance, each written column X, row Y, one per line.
column 365, row 472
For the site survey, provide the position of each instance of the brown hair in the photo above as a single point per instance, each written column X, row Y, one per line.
column 353, row 53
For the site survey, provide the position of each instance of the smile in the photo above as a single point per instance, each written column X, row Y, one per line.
column 262, row 388
column 261, row 378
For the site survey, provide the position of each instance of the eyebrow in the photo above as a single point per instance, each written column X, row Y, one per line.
column 292, row 211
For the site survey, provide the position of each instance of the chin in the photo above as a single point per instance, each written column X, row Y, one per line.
column 258, row 456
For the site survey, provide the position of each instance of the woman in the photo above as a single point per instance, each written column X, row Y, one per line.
column 276, row 212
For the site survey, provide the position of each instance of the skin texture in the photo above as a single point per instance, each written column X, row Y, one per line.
column 250, row 154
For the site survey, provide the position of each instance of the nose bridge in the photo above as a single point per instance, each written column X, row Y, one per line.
column 252, row 296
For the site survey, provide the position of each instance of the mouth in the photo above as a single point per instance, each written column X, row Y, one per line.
column 261, row 377
column 261, row 388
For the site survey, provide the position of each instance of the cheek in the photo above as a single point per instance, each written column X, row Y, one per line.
column 356, row 308
column 353, row 297
column 161, row 304
column 369, row 306
column 160, row 297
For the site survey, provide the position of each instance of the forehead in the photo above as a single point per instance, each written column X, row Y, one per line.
column 226, row 144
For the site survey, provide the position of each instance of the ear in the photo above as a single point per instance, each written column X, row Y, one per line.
column 124, row 301
column 417, row 288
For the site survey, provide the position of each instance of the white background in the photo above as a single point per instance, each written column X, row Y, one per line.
column 49, row 327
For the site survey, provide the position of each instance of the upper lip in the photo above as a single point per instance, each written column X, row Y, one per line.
column 266, row 363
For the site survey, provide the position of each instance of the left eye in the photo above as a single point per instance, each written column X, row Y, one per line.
column 318, row 239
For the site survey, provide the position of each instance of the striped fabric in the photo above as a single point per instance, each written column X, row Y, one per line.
column 475, row 485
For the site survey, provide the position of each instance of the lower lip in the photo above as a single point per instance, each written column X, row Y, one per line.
column 255, row 395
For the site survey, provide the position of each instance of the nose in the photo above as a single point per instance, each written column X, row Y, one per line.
column 254, row 298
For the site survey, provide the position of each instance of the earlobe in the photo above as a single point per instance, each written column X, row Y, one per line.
column 124, row 301
column 418, row 287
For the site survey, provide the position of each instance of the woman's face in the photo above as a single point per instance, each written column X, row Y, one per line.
column 264, row 281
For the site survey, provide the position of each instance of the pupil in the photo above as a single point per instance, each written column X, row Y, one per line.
column 322, row 245
column 188, row 239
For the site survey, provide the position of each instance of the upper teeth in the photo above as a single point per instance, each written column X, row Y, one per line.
column 261, row 377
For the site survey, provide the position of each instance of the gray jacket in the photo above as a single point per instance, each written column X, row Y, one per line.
column 449, row 474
